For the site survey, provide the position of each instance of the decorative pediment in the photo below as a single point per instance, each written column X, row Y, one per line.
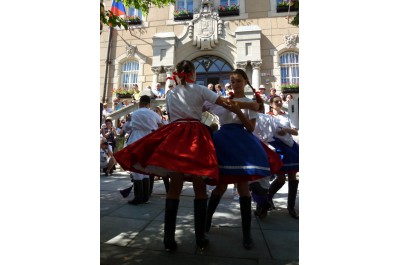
column 205, row 27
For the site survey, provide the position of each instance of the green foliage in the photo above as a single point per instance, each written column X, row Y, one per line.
column 181, row 12
column 290, row 86
column 284, row 3
column 108, row 18
column 133, row 18
column 225, row 8
column 295, row 21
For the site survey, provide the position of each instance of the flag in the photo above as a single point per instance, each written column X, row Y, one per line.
column 118, row 8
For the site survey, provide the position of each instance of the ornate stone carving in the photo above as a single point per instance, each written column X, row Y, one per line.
column 169, row 69
column 130, row 50
column 156, row 70
column 241, row 65
column 290, row 40
column 256, row 64
column 205, row 27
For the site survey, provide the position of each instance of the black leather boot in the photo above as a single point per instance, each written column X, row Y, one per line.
column 138, row 192
column 171, row 210
column 273, row 188
column 166, row 183
column 293, row 185
column 200, row 209
column 262, row 209
column 211, row 207
column 146, row 190
column 151, row 177
column 245, row 212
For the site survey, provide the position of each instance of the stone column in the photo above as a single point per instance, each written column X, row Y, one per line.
column 156, row 70
column 255, row 82
column 169, row 70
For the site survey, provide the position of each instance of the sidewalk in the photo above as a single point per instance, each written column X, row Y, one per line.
column 133, row 234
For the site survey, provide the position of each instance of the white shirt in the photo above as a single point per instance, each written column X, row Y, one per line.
column 143, row 121
column 264, row 128
column 187, row 101
column 283, row 121
column 226, row 117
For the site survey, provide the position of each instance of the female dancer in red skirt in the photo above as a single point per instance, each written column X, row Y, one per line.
column 181, row 150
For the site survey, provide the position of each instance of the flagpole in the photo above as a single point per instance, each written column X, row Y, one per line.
column 288, row 14
column 118, row 9
column 107, row 63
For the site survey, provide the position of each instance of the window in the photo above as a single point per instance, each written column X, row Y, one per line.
column 134, row 12
column 228, row 8
column 228, row 2
column 289, row 63
column 279, row 8
column 184, row 5
column 215, row 64
column 283, row 6
column 129, row 74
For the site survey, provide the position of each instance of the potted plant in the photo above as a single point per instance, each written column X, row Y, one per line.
column 290, row 88
column 133, row 20
column 283, row 6
column 123, row 92
column 182, row 14
column 228, row 10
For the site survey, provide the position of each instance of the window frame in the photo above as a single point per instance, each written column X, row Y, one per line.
column 272, row 10
column 185, row 5
column 134, row 72
column 136, row 12
column 292, row 67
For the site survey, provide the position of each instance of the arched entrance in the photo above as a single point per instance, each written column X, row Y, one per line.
column 212, row 69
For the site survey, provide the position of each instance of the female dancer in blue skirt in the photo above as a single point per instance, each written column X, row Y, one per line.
column 241, row 156
column 288, row 149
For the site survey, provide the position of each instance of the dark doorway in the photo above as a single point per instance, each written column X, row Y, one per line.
column 212, row 80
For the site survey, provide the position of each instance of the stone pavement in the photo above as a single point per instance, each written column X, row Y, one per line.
column 133, row 234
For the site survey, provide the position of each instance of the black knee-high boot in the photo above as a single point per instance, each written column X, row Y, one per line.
column 171, row 210
column 138, row 192
column 293, row 184
column 211, row 207
column 200, row 209
column 166, row 183
column 273, row 188
column 146, row 190
column 151, row 177
column 245, row 212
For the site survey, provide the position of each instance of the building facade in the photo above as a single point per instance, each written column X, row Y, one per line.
column 218, row 36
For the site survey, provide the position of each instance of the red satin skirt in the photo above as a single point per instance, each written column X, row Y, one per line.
column 275, row 161
column 184, row 146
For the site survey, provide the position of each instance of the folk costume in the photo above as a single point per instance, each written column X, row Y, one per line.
column 143, row 121
column 184, row 145
column 284, row 145
column 241, row 156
